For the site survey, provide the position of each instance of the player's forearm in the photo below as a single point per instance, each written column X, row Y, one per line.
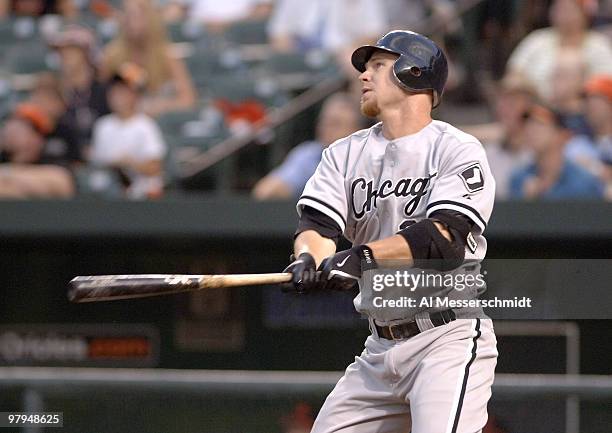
column 396, row 247
column 313, row 243
column 393, row 248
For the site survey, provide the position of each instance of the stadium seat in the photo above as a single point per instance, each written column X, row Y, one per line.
column 239, row 87
column 296, row 71
column 15, row 31
column 172, row 122
column 285, row 63
column 206, row 61
column 25, row 28
column 27, row 58
column 185, row 31
column 99, row 182
column 182, row 149
column 6, row 31
column 248, row 32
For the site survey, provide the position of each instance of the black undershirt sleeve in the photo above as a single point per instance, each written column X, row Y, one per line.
column 312, row 219
column 459, row 224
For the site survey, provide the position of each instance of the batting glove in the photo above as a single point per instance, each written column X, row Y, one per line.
column 343, row 270
column 304, row 270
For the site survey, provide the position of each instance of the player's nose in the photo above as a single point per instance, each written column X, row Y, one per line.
column 365, row 76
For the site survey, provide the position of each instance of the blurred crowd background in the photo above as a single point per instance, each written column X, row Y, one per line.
column 117, row 98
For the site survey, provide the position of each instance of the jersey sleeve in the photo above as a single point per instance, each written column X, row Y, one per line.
column 325, row 190
column 464, row 184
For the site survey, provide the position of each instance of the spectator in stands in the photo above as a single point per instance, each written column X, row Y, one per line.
column 84, row 94
column 37, row 8
column 599, row 114
column 25, row 172
column 336, row 26
column 339, row 117
column 552, row 175
column 567, row 98
column 504, row 138
column 63, row 140
column 537, row 54
column 5, row 9
column 567, row 82
column 412, row 14
column 218, row 15
column 31, row 8
column 129, row 140
column 142, row 40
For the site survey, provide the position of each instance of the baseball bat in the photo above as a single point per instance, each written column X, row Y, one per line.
column 95, row 288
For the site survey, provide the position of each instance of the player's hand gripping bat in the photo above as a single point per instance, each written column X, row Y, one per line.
column 96, row 288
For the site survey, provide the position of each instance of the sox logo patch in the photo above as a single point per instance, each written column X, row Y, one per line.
column 472, row 178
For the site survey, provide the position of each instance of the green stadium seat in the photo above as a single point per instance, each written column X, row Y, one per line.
column 6, row 31
column 185, row 31
column 172, row 122
column 25, row 28
column 14, row 32
column 98, row 182
column 248, row 32
column 175, row 32
column 297, row 71
column 204, row 62
column 241, row 86
column 286, row 63
column 27, row 58
column 183, row 148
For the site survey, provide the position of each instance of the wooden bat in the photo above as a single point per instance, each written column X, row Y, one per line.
column 94, row 288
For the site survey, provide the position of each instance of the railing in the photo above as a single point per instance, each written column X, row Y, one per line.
column 571, row 332
column 36, row 382
column 242, row 383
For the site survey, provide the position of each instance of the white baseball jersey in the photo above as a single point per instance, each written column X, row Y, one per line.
column 370, row 185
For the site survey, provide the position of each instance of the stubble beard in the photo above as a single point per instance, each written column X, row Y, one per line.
column 370, row 109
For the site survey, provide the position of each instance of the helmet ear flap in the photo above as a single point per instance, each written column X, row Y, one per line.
column 410, row 76
column 414, row 78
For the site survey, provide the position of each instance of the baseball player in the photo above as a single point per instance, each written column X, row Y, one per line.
column 408, row 188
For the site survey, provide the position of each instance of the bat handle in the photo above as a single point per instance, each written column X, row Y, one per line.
column 214, row 281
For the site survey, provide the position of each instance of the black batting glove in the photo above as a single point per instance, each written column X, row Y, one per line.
column 304, row 270
column 343, row 270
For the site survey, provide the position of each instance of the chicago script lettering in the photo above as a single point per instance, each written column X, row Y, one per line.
column 416, row 188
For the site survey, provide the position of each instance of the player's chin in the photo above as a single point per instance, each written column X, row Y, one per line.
column 370, row 108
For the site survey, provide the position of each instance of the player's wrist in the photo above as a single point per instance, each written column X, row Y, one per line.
column 343, row 270
column 366, row 257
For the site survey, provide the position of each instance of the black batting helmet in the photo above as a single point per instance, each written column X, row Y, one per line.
column 421, row 64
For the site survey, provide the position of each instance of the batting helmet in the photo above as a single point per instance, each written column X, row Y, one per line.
column 421, row 64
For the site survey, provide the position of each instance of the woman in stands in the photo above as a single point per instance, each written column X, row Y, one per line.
column 84, row 95
column 142, row 39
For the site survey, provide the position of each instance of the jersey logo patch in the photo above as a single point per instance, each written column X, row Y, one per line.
column 471, row 243
column 472, row 178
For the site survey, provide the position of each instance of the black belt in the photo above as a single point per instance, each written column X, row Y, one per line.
column 406, row 330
